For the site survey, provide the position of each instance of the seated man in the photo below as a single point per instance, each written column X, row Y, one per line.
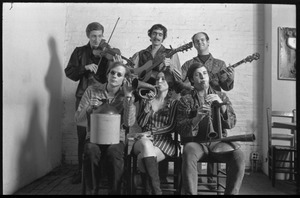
column 193, row 125
column 117, row 93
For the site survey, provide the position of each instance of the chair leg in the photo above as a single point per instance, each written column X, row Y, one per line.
column 83, row 192
column 273, row 177
column 177, row 176
column 129, row 178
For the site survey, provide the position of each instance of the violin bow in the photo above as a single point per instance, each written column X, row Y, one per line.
column 110, row 37
column 113, row 30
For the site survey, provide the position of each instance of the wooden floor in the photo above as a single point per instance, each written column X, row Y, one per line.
column 58, row 182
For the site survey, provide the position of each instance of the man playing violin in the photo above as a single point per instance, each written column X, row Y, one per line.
column 201, row 43
column 88, row 68
column 196, row 116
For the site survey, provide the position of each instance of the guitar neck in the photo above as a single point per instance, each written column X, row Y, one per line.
column 238, row 63
column 233, row 66
column 171, row 53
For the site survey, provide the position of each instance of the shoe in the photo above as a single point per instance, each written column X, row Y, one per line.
column 76, row 179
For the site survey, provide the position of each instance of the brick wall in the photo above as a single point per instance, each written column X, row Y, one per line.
column 235, row 31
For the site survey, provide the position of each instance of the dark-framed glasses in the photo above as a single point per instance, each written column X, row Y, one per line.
column 119, row 74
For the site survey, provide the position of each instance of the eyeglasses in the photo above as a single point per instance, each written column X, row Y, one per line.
column 118, row 73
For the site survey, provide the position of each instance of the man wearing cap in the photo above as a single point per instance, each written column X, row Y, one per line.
column 84, row 67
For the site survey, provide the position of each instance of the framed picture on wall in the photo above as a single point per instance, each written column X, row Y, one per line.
column 287, row 53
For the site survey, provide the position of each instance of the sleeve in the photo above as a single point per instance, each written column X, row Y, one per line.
column 226, row 83
column 145, row 113
column 184, row 120
column 135, row 59
column 228, row 118
column 129, row 111
column 80, row 114
column 176, row 67
column 184, row 70
column 171, row 121
column 74, row 69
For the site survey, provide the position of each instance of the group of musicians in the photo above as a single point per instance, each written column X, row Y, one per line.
column 200, row 111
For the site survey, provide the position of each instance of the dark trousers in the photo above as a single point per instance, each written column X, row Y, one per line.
column 110, row 159
column 81, row 135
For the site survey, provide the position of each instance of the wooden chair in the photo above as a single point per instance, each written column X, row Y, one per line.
column 220, row 177
column 282, row 150
column 174, row 174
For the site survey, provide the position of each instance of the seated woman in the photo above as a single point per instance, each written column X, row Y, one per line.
column 157, row 120
column 121, row 98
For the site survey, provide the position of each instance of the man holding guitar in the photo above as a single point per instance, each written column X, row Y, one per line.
column 213, row 65
column 154, row 58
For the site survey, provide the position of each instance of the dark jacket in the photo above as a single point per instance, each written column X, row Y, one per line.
column 187, row 110
column 213, row 66
column 76, row 71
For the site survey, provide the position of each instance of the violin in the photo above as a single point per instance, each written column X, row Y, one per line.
column 109, row 53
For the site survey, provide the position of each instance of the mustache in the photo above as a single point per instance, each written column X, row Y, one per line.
column 155, row 39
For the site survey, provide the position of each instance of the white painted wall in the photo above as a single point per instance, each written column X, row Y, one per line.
column 278, row 94
column 33, row 57
column 38, row 39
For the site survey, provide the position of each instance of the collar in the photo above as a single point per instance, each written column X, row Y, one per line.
column 196, row 58
column 209, row 91
column 149, row 48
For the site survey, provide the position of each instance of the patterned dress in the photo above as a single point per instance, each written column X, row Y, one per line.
column 161, row 123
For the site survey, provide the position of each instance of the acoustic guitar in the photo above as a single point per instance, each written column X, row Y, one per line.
column 145, row 72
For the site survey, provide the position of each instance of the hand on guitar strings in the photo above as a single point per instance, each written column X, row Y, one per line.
column 228, row 73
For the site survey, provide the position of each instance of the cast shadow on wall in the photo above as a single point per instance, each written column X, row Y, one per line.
column 53, row 83
column 33, row 148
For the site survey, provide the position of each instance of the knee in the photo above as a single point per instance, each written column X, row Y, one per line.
column 115, row 151
column 91, row 149
column 239, row 158
column 145, row 145
column 190, row 153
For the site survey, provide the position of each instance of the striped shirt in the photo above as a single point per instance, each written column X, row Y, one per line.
column 161, row 123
